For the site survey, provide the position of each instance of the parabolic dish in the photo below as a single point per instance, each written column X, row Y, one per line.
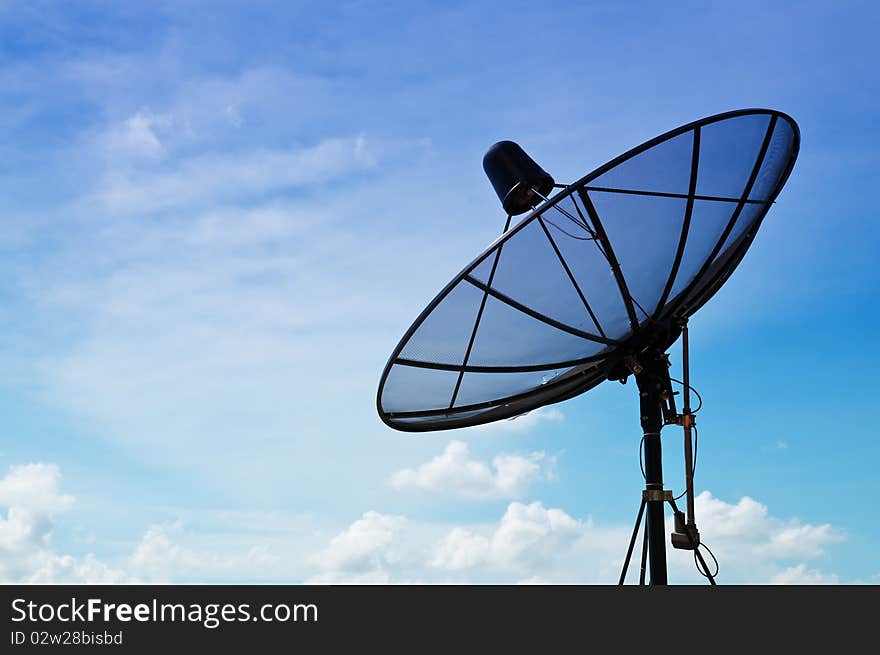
column 547, row 311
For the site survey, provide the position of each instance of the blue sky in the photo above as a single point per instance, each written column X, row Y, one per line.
column 217, row 220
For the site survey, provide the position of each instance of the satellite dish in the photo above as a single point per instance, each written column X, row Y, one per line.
column 594, row 283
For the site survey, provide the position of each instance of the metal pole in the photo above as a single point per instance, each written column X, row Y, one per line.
column 650, row 399
column 688, row 442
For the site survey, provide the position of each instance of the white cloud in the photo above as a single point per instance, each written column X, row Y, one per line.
column 50, row 568
column 135, row 138
column 796, row 540
column 747, row 528
column 31, row 496
column 454, row 472
column 752, row 545
column 363, row 552
column 801, row 575
column 529, row 534
column 532, row 543
column 34, row 488
column 157, row 557
column 225, row 546
column 529, row 543
column 460, row 549
column 363, row 544
column 526, row 536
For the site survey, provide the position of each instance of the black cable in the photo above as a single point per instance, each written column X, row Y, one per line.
column 696, row 432
column 573, row 236
column 583, row 225
column 592, row 236
column 694, row 466
column 641, row 465
column 696, row 442
column 696, row 393
column 706, row 573
column 577, row 221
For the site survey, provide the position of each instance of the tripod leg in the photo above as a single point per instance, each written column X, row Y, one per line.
column 644, row 556
column 632, row 542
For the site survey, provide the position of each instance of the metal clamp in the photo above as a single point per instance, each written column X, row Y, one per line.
column 655, row 495
column 633, row 364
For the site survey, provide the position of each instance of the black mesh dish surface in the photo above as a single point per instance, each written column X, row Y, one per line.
column 545, row 311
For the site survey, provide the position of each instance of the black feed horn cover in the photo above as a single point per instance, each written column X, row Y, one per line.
column 513, row 175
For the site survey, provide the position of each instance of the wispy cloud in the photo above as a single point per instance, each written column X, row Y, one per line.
column 135, row 139
column 207, row 296
column 220, row 177
column 523, row 422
